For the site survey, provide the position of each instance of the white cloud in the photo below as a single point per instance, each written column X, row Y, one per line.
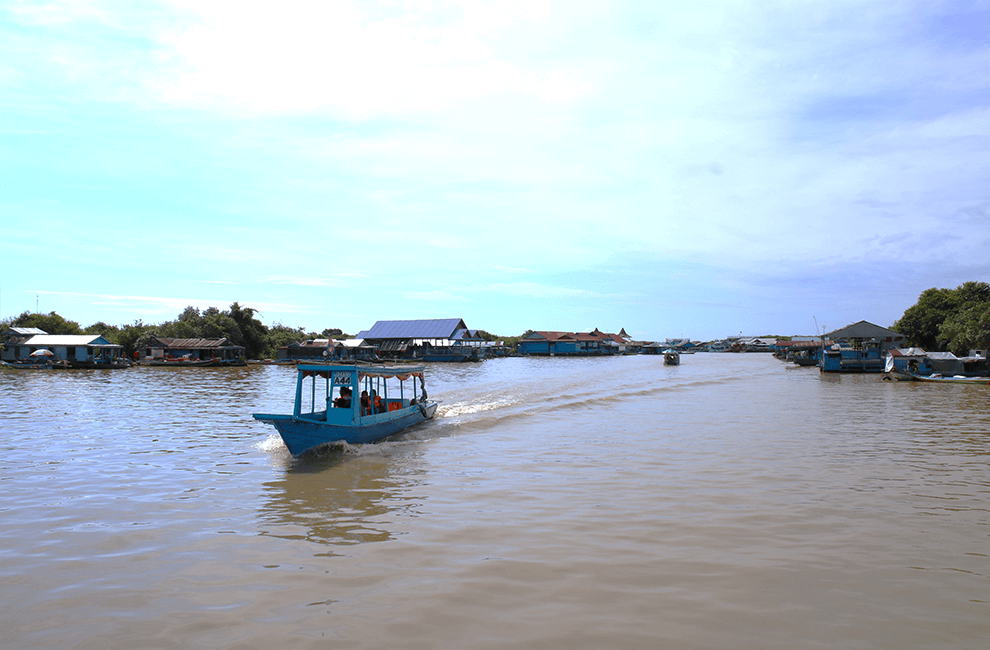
column 487, row 139
column 354, row 60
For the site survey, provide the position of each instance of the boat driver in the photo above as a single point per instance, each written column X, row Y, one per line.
column 344, row 401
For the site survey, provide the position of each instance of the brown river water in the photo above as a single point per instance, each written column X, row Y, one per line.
column 730, row 502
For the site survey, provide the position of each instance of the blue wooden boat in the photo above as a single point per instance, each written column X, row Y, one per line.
column 28, row 364
column 330, row 405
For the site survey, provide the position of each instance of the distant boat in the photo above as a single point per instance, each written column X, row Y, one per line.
column 181, row 362
column 337, row 414
column 671, row 358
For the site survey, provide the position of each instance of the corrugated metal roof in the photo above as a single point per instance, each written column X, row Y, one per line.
column 67, row 340
column 27, row 331
column 544, row 335
column 907, row 352
column 864, row 330
column 187, row 344
column 466, row 335
column 414, row 329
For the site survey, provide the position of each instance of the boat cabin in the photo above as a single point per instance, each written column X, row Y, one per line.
column 344, row 395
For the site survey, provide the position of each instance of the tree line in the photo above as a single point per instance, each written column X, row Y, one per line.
column 237, row 324
column 954, row 320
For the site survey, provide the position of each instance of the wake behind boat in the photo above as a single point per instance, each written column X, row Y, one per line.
column 332, row 411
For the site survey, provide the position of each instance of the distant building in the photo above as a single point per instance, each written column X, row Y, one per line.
column 164, row 349
column 595, row 343
column 74, row 350
column 446, row 339
column 864, row 333
column 315, row 350
column 16, row 335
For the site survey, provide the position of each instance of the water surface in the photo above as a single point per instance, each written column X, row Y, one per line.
column 731, row 501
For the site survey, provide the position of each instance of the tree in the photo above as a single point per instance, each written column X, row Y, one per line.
column 130, row 335
column 922, row 322
column 51, row 323
column 967, row 329
column 109, row 332
column 250, row 331
column 279, row 336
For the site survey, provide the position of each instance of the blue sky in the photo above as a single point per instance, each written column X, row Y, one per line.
column 675, row 169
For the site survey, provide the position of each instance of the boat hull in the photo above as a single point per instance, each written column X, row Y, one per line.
column 303, row 433
column 979, row 381
column 209, row 363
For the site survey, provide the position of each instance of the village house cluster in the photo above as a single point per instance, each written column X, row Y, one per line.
column 860, row 347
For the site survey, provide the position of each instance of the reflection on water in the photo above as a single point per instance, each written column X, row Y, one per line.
column 338, row 496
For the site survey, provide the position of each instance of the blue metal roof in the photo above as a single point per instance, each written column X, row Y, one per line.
column 414, row 329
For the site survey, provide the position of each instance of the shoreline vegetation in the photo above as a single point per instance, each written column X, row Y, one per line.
column 953, row 320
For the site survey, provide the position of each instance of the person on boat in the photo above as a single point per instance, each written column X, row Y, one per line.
column 365, row 403
column 377, row 402
column 344, row 401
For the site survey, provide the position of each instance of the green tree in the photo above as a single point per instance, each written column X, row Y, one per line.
column 129, row 336
column 279, row 336
column 250, row 331
column 51, row 323
column 922, row 322
column 109, row 332
column 967, row 329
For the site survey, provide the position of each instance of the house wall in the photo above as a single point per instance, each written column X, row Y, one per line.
column 534, row 347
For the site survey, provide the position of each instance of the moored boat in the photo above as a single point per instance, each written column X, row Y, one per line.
column 956, row 379
column 28, row 364
column 215, row 362
column 335, row 413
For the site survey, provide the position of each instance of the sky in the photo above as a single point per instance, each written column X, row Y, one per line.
column 677, row 169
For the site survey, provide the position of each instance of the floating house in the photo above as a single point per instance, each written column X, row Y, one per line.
column 911, row 362
column 904, row 362
column 446, row 339
column 164, row 351
column 554, row 343
column 17, row 335
column 67, row 350
column 320, row 350
column 311, row 350
column 804, row 351
column 860, row 347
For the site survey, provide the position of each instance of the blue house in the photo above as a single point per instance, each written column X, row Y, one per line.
column 594, row 343
column 860, row 347
column 69, row 350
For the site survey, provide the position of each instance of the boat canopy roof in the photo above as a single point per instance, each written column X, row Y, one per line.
column 399, row 372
